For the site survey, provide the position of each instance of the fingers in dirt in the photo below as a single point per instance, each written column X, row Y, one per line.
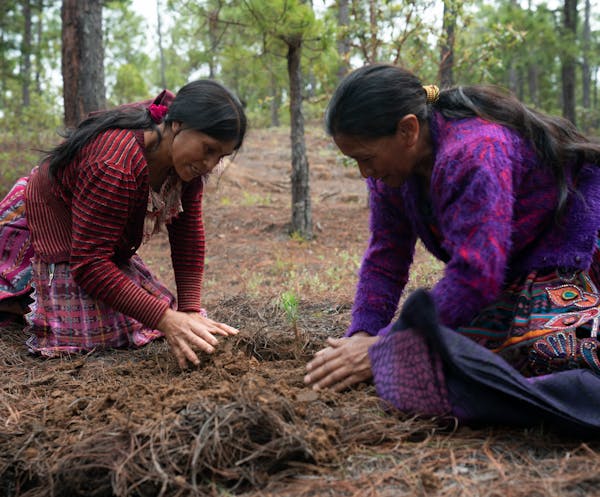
column 183, row 354
column 326, row 374
column 225, row 330
column 200, row 337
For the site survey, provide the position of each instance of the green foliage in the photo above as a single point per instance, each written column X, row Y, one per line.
column 282, row 19
column 130, row 85
column 503, row 42
column 244, row 44
column 289, row 303
column 127, row 66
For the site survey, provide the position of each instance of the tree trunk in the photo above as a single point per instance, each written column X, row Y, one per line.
column 82, row 59
column 213, row 25
column 373, row 30
column 38, row 49
column 161, row 51
column 447, row 45
column 532, row 83
column 586, row 76
column 275, row 101
column 568, row 62
column 301, row 208
column 26, row 54
column 343, row 42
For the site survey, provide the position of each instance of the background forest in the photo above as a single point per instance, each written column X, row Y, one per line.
column 60, row 60
column 546, row 53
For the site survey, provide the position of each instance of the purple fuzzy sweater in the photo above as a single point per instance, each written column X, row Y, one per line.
column 491, row 207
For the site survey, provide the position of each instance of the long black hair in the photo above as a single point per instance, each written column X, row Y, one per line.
column 203, row 105
column 371, row 100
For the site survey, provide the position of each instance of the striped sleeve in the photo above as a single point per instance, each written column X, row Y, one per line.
column 187, row 240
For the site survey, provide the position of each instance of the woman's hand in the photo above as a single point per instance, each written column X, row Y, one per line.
column 218, row 328
column 186, row 332
column 343, row 364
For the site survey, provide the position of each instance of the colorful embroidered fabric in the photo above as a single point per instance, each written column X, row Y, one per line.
column 15, row 267
column 423, row 368
column 546, row 323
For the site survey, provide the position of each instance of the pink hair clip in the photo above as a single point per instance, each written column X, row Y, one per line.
column 158, row 112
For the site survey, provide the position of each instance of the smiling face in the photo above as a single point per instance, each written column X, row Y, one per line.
column 194, row 153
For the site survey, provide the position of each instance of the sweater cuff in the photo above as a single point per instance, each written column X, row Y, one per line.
column 369, row 324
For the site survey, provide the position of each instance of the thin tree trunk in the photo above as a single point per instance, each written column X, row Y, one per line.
column 38, row 49
column 161, row 51
column 26, row 54
column 595, row 88
column 586, row 76
column 568, row 62
column 447, row 46
column 213, row 24
column 343, row 42
column 513, row 79
column 373, row 45
column 3, row 64
column 532, row 83
column 275, row 101
column 301, row 206
column 82, row 59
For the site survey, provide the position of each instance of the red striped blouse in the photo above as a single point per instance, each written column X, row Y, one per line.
column 92, row 216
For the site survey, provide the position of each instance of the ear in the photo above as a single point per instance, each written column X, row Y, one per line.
column 408, row 129
column 175, row 127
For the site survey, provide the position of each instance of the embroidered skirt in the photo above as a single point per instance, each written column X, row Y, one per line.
column 545, row 323
column 530, row 358
column 62, row 317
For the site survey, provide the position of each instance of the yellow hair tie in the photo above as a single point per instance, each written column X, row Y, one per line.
column 432, row 93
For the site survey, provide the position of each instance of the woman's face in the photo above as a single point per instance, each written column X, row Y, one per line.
column 391, row 159
column 195, row 153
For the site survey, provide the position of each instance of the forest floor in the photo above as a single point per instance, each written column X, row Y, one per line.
column 130, row 423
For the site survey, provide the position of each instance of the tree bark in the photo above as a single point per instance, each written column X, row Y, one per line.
column 343, row 42
column 532, row 83
column 213, row 25
column 82, row 59
column 586, row 76
column 301, row 206
column 38, row 48
column 568, row 62
column 373, row 30
column 26, row 54
column 447, row 46
column 161, row 51
column 275, row 101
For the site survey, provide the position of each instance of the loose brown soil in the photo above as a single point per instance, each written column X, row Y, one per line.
column 129, row 422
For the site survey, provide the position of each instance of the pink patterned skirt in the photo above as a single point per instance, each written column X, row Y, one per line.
column 62, row 317
column 16, row 251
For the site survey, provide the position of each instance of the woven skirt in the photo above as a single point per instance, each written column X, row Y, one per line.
column 530, row 358
column 63, row 318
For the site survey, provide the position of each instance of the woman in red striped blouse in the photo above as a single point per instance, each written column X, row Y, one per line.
column 70, row 231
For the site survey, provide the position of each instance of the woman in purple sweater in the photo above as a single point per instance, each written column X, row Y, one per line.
column 509, row 199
